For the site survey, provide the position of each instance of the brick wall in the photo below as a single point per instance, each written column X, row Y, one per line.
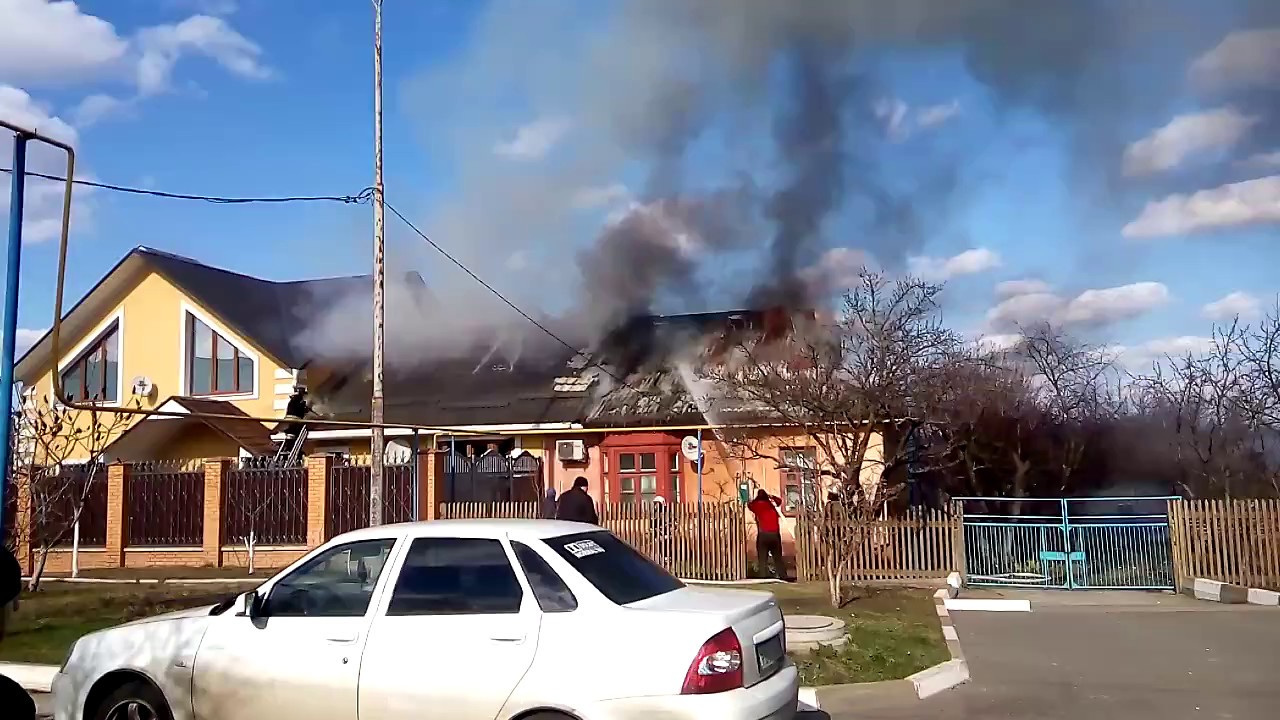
column 214, row 551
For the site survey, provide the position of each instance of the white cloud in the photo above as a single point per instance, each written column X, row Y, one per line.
column 1244, row 203
column 1101, row 307
column 1245, row 59
column 24, row 338
column 97, row 107
column 1228, row 307
column 42, row 41
column 1185, row 136
column 163, row 45
column 996, row 342
column 589, row 198
column 1091, row 308
column 928, row 117
column 42, row 209
column 901, row 121
column 534, row 140
column 836, row 271
column 1142, row 357
column 1262, row 161
column 969, row 262
column 1026, row 286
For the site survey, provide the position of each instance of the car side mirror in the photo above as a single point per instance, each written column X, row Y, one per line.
column 252, row 604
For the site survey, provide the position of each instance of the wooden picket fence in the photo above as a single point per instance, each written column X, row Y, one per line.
column 1233, row 541
column 922, row 545
column 707, row 543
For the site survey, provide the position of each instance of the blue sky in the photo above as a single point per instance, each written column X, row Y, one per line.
column 485, row 127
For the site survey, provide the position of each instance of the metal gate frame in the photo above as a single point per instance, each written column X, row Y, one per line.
column 1064, row 545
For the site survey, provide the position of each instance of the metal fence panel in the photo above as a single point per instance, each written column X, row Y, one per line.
column 270, row 503
column 492, row 478
column 1115, row 543
column 347, row 492
column 164, row 503
column 57, row 492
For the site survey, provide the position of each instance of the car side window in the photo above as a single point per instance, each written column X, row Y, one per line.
column 336, row 583
column 549, row 590
column 456, row 576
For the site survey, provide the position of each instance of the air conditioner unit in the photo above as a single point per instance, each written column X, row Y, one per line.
column 571, row 450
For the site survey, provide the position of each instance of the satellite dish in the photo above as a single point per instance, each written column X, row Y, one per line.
column 143, row 386
column 690, row 448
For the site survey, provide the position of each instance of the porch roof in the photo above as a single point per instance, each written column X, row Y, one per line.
column 141, row 440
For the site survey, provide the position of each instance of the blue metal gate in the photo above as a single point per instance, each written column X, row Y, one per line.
column 1106, row 542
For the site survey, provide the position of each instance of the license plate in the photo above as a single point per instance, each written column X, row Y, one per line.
column 769, row 655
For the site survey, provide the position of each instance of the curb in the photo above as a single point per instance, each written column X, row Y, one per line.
column 1227, row 593
column 926, row 683
column 32, row 678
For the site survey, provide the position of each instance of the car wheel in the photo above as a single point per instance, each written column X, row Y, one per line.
column 133, row 701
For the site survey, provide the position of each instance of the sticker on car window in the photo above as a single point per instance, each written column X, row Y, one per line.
column 583, row 548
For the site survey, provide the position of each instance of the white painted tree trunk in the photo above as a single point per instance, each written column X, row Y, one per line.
column 75, row 549
column 251, row 544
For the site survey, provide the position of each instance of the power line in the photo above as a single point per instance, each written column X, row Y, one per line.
column 498, row 294
column 362, row 197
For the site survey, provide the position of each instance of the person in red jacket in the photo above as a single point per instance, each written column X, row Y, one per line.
column 768, row 534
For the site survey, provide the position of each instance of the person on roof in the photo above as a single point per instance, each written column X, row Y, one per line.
column 576, row 504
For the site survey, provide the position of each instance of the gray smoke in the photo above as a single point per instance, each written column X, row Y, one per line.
column 642, row 88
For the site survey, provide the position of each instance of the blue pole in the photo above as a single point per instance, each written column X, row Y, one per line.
column 13, row 260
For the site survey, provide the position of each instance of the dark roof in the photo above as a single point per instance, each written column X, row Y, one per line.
column 474, row 389
column 270, row 314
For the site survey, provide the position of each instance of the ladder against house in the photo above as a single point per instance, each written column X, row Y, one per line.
column 290, row 449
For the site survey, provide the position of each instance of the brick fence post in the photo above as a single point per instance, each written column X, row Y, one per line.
column 24, row 523
column 116, row 513
column 430, row 463
column 215, row 469
column 318, row 467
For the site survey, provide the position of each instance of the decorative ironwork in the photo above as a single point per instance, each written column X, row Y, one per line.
column 59, row 490
column 492, row 477
column 347, row 502
column 164, row 503
column 269, row 503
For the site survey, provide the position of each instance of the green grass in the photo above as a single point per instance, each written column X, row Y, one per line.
column 893, row 633
column 48, row 621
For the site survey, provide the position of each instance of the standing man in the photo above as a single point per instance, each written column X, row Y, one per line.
column 768, row 534
column 576, row 505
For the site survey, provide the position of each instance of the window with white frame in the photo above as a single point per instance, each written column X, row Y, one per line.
column 94, row 376
column 799, row 479
column 215, row 366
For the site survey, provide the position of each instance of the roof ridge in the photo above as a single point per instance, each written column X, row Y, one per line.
column 143, row 249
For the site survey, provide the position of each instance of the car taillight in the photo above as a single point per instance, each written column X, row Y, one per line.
column 717, row 666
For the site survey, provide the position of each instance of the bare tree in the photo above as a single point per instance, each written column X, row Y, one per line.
column 57, row 460
column 856, row 391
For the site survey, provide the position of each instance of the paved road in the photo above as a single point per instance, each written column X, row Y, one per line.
column 1123, row 656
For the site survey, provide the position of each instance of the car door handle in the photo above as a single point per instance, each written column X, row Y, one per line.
column 507, row 637
column 336, row 638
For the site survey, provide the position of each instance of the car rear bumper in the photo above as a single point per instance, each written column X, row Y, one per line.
column 772, row 699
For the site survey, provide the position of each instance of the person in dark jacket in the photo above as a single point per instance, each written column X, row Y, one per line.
column 576, row 504
column 549, row 504
column 297, row 409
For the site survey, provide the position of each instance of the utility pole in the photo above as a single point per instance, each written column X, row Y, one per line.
column 378, row 444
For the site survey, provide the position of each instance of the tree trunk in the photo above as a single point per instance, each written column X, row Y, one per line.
column 37, row 573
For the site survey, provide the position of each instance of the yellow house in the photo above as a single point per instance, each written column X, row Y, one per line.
column 161, row 330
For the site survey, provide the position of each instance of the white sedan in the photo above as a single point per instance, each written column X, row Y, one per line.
column 451, row 619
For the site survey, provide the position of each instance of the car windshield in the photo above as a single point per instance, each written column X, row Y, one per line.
column 615, row 568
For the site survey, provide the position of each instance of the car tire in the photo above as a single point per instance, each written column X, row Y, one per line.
column 138, row 695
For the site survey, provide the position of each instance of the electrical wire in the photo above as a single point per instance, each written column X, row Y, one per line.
column 498, row 294
column 363, row 196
